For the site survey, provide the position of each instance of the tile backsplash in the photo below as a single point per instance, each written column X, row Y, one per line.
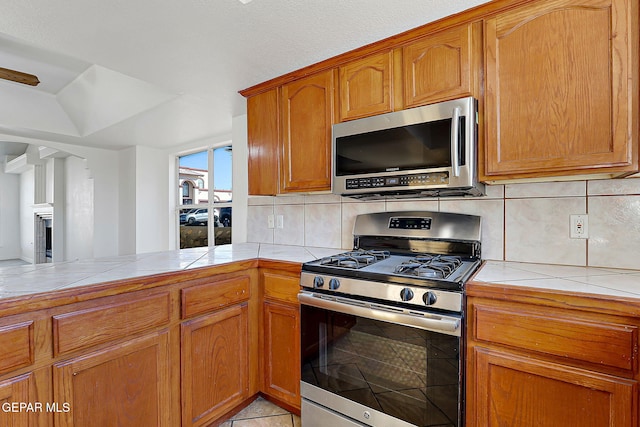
column 520, row 222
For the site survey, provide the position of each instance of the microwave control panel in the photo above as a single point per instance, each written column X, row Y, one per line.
column 436, row 178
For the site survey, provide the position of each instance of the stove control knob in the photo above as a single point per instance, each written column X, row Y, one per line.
column 429, row 298
column 334, row 283
column 406, row 294
column 318, row 282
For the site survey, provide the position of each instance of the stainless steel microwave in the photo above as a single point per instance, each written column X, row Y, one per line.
column 423, row 151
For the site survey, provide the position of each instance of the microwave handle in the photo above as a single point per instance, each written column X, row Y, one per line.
column 455, row 142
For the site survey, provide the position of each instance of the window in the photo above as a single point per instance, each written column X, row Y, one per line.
column 186, row 191
column 207, row 221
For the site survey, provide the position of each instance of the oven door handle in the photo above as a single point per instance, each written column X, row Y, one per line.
column 428, row 321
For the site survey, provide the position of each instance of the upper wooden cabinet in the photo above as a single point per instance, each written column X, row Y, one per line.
column 442, row 66
column 366, row 86
column 557, row 83
column 263, row 143
column 307, row 108
column 559, row 93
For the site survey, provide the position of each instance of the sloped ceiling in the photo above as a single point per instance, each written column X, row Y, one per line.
column 162, row 73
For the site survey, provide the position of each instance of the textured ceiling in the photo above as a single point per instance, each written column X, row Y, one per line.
column 196, row 53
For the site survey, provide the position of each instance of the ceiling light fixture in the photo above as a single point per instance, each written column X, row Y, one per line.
column 19, row 77
column 244, row 1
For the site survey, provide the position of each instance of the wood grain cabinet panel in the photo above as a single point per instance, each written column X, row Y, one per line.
column 127, row 385
column 263, row 143
column 280, row 287
column 518, row 391
column 16, row 390
column 307, row 108
column 16, row 342
column 109, row 321
column 215, row 366
column 442, row 66
column 282, row 352
column 559, row 98
column 366, row 86
column 537, row 358
column 200, row 299
column 600, row 343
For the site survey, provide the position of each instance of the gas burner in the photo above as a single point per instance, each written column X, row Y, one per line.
column 431, row 266
column 355, row 259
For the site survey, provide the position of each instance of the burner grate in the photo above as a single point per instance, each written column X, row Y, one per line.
column 355, row 259
column 429, row 266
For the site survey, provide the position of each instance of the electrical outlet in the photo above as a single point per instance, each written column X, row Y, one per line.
column 279, row 221
column 579, row 226
column 271, row 221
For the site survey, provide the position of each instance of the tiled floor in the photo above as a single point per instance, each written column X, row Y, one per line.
column 262, row 413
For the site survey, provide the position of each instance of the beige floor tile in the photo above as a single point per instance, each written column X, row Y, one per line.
column 272, row 421
column 259, row 408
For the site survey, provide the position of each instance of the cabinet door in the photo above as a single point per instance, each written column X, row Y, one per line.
column 307, row 116
column 441, row 66
column 15, row 391
column 511, row 390
column 264, row 137
column 365, row 86
column 127, row 384
column 282, row 352
column 215, row 365
column 558, row 94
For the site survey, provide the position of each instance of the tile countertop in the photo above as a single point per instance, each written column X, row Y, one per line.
column 36, row 278
column 32, row 279
column 591, row 280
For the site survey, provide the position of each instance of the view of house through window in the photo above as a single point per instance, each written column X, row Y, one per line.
column 205, row 195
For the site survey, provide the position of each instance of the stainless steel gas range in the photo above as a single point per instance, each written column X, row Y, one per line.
column 382, row 325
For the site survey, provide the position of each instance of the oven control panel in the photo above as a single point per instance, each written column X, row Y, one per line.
column 417, row 296
column 410, row 223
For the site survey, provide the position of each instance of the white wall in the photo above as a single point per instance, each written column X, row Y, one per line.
column 9, row 215
column 103, row 170
column 26, row 215
column 79, row 210
column 240, row 179
column 127, row 201
column 152, row 198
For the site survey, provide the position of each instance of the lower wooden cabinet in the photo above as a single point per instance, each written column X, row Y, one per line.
column 15, row 391
column 281, row 334
column 127, row 384
column 185, row 354
column 549, row 359
column 215, row 365
column 282, row 352
column 512, row 390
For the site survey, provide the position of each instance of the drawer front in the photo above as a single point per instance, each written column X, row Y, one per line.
column 212, row 296
column 16, row 342
column 281, row 287
column 111, row 321
column 599, row 343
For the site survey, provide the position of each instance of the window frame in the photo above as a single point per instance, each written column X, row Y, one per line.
column 211, row 204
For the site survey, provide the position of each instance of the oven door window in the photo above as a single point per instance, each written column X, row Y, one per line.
column 407, row 373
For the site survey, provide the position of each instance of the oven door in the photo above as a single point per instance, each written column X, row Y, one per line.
column 379, row 365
